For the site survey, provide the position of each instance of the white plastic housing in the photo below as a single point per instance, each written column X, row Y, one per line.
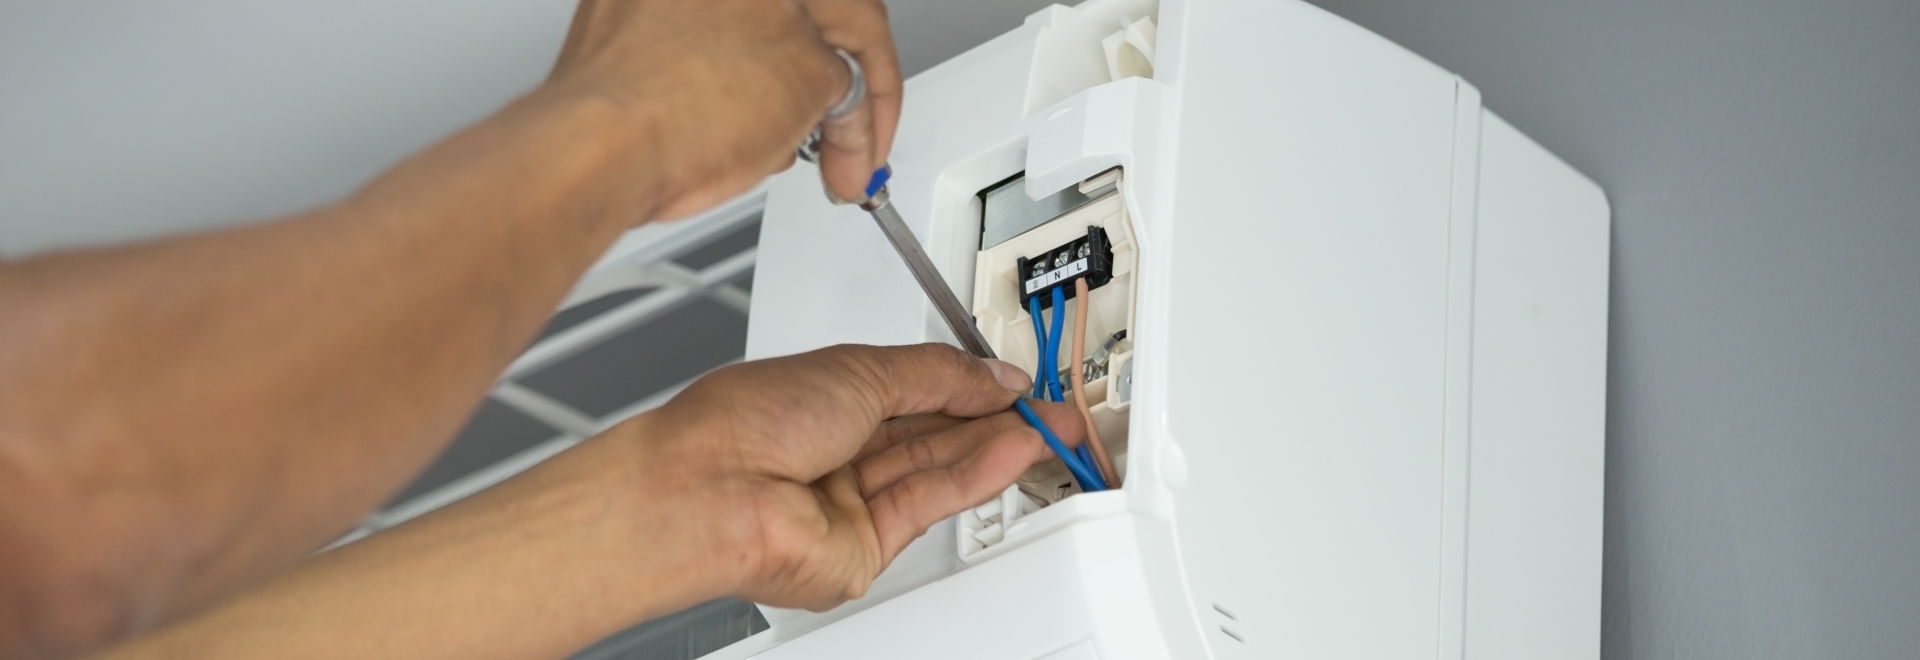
column 1368, row 351
column 1008, row 327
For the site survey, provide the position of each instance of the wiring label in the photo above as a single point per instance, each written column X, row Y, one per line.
column 1077, row 267
column 1089, row 257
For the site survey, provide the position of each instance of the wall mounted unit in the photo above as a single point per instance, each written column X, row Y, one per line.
column 1358, row 401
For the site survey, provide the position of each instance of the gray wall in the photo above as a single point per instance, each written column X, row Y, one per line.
column 141, row 118
column 1763, row 160
column 137, row 118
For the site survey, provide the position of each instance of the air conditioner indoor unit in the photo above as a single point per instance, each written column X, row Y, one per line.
column 1358, row 400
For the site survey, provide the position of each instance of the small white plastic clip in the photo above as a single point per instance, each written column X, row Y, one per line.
column 1130, row 51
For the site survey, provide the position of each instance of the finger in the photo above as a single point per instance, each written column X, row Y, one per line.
column 826, row 405
column 847, row 160
column 856, row 145
column 901, row 429
column 873, row 45
column 944, row 448
column 904, row 510
column 928, row 378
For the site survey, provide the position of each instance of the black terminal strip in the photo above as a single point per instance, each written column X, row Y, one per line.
column 1090, row 257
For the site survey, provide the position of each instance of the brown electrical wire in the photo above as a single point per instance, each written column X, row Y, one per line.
column 1076, row 373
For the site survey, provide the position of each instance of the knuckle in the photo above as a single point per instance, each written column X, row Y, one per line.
column 851, row 355
column 921, row 455
column 844, row 360
column 868, row 481
column 837, row 352
column 913, row 496
column 956, row 361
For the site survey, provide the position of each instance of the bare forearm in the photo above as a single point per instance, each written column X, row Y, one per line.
column 790, row 482
column 314, row 362
column 539, row 567
column 179, row 419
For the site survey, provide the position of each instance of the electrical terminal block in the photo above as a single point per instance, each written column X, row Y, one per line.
column 1090, row 257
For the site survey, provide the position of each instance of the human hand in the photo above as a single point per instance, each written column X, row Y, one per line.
column 726, row 89
column 790, row 482
column 808, row 474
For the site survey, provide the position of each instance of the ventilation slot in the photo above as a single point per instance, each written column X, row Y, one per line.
column 1230, row 618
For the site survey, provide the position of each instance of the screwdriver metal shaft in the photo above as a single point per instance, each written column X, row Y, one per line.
column 924, row 272
column 880, row 205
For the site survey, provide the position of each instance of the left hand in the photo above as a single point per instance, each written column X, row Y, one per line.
column 808, row 474
column 790, row 482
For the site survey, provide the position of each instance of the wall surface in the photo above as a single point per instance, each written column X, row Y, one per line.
column 141, row 118
column 1761, row 156
column 1763, row 161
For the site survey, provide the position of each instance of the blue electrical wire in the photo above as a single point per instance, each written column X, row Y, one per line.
column 1053, row 344
column 1039, row 348
column 1046, row 382
column 1090, row 480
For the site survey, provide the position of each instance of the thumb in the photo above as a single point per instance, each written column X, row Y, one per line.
column 928, row 378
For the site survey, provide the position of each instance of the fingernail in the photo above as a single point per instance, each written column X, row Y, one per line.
column 1010, row 377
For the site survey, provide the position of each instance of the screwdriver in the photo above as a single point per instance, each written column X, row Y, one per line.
column 880, row 204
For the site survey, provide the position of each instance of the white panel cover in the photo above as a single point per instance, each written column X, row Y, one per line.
column 1539, row 406
column 1309, row 262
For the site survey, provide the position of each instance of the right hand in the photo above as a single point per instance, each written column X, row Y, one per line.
column 726, row 89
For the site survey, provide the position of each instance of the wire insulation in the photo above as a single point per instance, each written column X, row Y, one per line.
column 1100, row 458
column 1090, row 481
column 1053, row 344
column 1039, row 348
